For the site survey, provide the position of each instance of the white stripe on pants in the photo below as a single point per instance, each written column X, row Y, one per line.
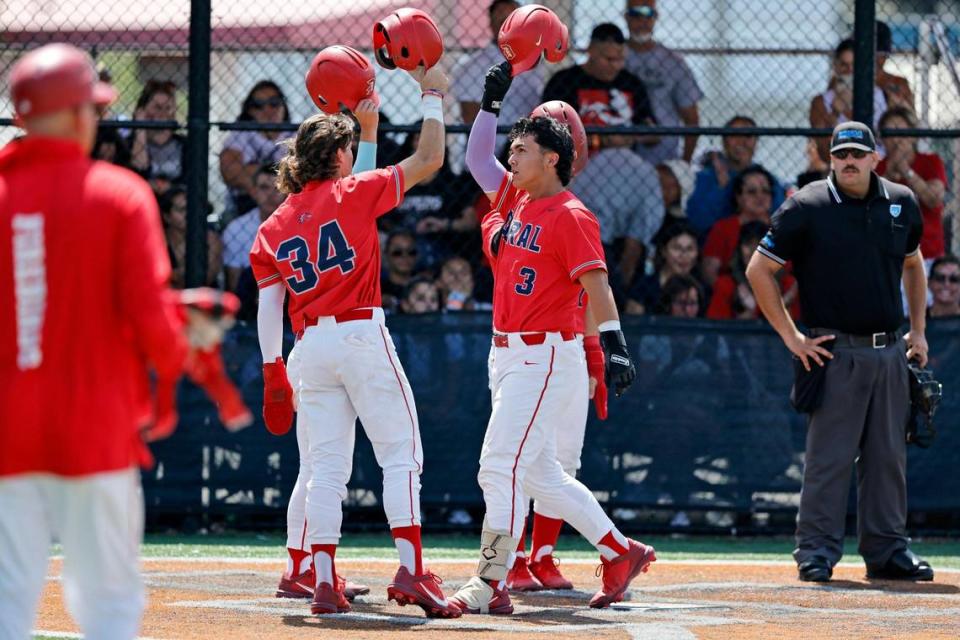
column 99, row 521
column 534, row 388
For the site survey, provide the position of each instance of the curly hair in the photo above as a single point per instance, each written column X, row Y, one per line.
column 312, row 155
column 552, row 136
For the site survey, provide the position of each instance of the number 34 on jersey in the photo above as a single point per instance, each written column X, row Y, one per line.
column 332, row 252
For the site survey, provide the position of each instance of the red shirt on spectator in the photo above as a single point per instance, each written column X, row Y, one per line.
column 725, row 292
column 928, row 166
column 722, row 241
column 84, row 305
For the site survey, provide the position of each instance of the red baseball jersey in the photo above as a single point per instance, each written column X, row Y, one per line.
column 322, row 243
column 83, row 305
column 549, row 244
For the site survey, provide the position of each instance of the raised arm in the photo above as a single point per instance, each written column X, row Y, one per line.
column 481, row 145
column 428, row 158
column 368, row 115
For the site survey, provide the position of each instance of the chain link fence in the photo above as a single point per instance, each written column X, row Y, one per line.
column 681, row 99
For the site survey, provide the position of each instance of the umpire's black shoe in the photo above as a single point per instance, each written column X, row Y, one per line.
column 816, row 569
column 902, row 565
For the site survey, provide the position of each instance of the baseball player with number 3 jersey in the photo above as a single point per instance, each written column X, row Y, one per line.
column 544, row 247
column 321, row 246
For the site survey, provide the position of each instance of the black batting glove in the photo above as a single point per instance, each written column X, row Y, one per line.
column 620, row 371
column 495, row 87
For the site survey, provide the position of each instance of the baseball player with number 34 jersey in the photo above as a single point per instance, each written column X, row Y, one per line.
column 321, row 246
column 544, row 246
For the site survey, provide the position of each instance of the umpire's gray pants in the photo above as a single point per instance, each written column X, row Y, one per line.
column 862, row 419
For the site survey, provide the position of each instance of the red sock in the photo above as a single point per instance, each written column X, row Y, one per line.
column 297, row 556
column 410, row 550
column 546, row 532
column 611, row 542
column 522, row 544
column 324, row 573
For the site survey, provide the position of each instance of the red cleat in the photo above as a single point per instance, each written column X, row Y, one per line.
column 545, row 570
column 519, row 577
column 300, row 586
column 423, row 591
column 351, row 589
column 477, row 596
column 618, row 573
column 326, row 599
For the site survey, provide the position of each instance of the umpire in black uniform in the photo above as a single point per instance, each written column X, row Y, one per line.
column 851, row 238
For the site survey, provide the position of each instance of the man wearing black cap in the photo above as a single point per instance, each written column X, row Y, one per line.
column 851, row 238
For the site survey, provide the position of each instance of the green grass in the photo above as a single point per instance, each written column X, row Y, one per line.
column 940, row 552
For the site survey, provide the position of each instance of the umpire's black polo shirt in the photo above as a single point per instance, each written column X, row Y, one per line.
column 847, row 253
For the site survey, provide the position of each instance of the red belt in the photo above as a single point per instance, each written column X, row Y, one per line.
column 501, row 340
column 346, row 316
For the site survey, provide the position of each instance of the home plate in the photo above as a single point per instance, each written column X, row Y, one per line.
column 661, row 606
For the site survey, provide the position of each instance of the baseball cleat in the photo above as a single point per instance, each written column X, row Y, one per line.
column 423, row 591
column 351, row 589
column 618, row 573
column 545, row 570
column 519, row 577
column 300, row 586
column 326, row 599
column 477, row 596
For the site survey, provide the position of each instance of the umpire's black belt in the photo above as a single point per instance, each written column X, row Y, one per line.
column 874, row 341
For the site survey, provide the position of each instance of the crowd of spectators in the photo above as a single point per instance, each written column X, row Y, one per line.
column 677, row 229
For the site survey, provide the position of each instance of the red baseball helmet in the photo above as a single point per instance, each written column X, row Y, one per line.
column 528, row 33
column 407, row 38
column 55, row 77
column 340, row 75
column 566, row 114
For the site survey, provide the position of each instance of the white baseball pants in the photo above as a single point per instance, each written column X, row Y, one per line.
column 349, row 370
column 570, row 435
column 99, row 521
column 536, row 391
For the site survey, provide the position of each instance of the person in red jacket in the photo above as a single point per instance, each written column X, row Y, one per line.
column 84, row 309
column 924, row 173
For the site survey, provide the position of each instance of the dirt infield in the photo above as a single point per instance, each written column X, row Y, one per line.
column 234, row 599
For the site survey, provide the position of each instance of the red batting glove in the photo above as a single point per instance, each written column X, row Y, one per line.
column 205, row 369
column 595, row 369
column 277, row 398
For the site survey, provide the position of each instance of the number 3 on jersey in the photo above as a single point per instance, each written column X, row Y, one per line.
column 525, row 288
column 333, row 252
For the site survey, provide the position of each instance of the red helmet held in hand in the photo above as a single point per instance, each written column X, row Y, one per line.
column 407, row 38
column 529, row 33
column 340, row 75
column 566, row 114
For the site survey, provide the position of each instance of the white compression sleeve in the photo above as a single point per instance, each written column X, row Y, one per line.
column 270, row 321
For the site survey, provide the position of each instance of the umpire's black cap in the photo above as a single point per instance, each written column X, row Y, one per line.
column 853, row 135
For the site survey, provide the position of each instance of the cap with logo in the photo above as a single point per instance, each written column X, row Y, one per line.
column 853, row 135
column 54, row 77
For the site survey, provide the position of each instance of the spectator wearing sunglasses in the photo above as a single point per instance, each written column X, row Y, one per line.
column 924, row 173
column 945, row 287
column 852, row 239
column 399, row 264
column 752, row 201
column 671, row 86
column 246, row 151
